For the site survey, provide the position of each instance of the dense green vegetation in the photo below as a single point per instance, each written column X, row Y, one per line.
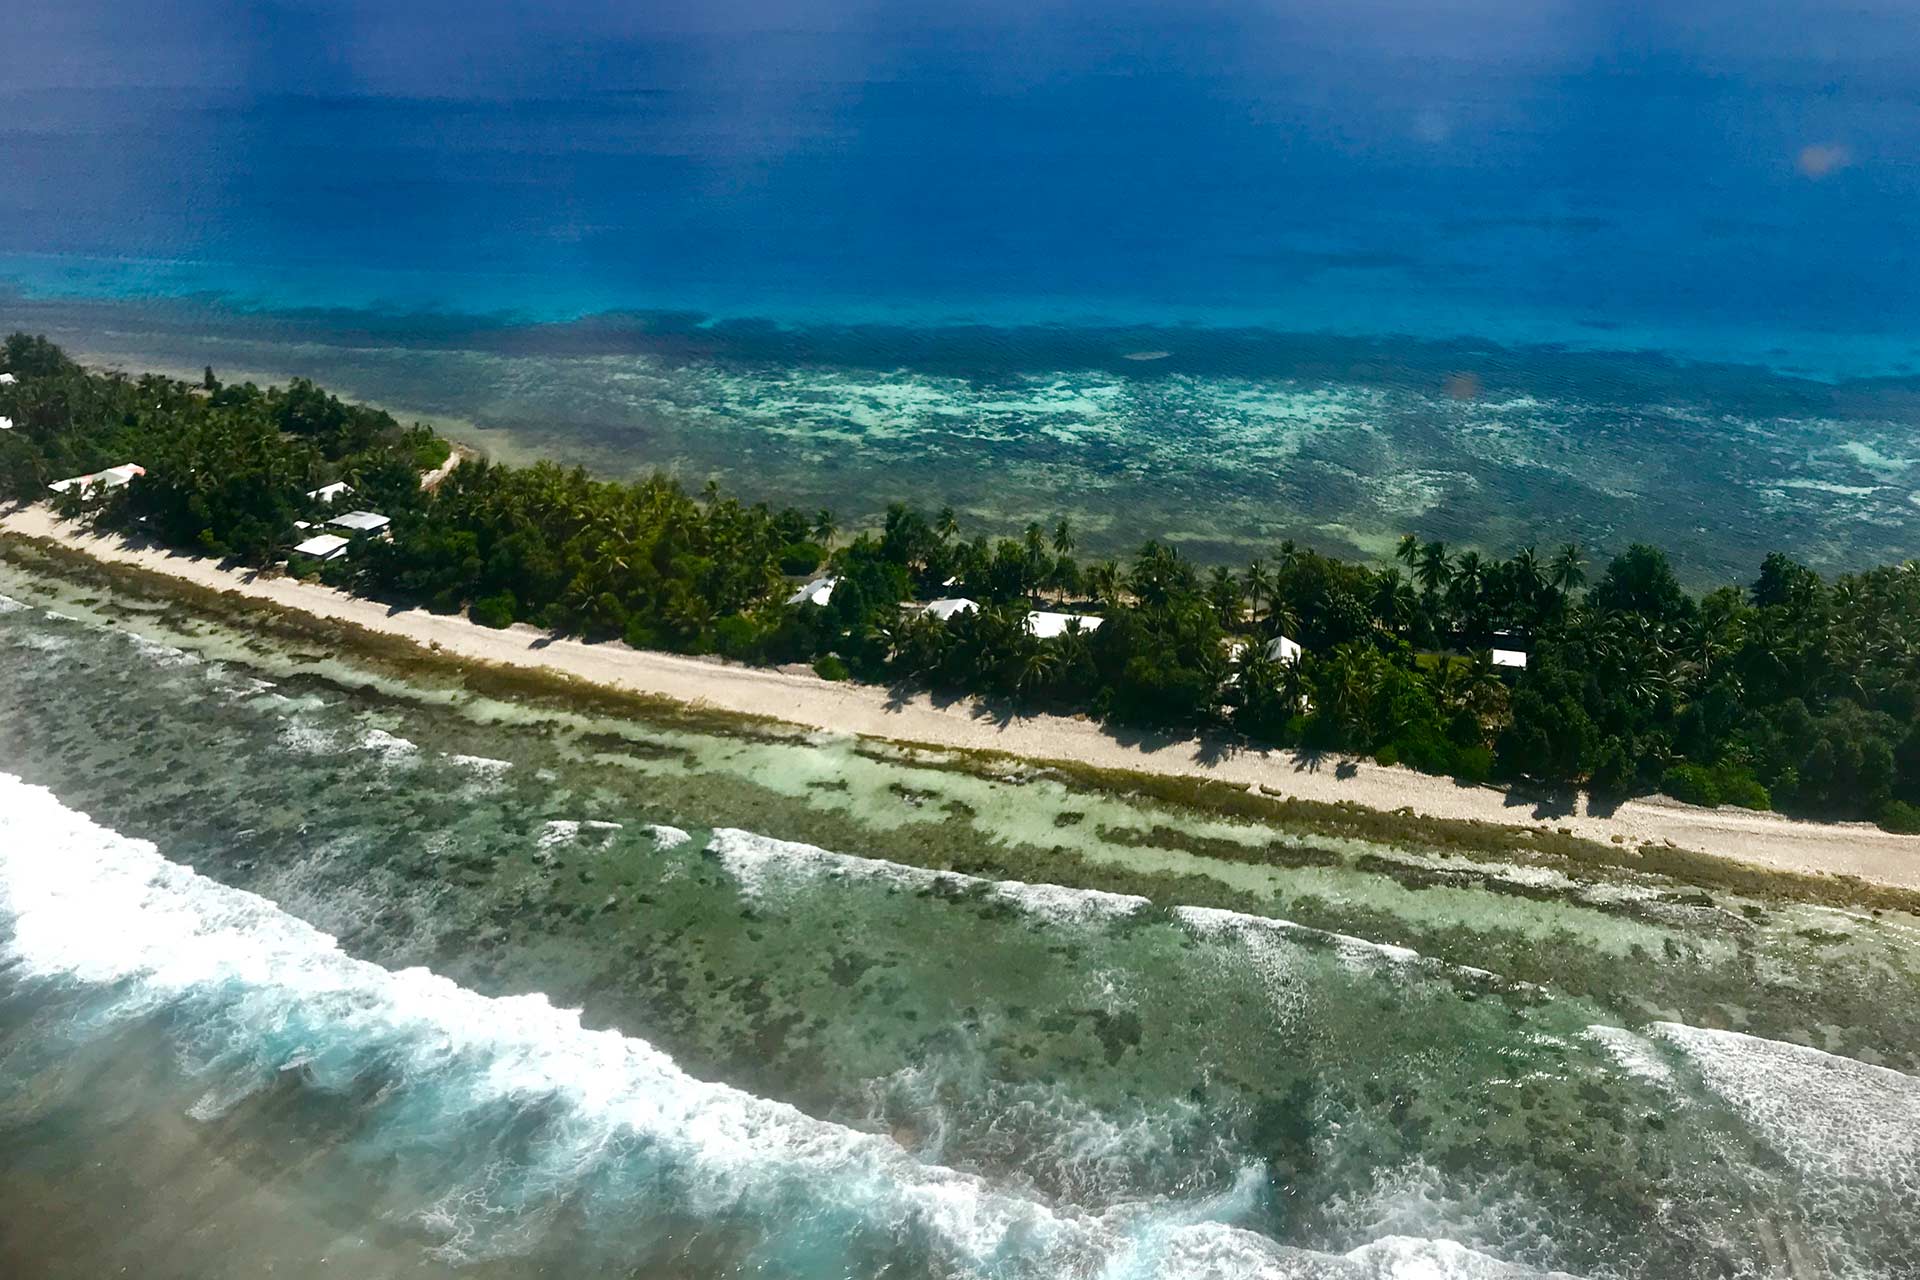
column 1791, row 692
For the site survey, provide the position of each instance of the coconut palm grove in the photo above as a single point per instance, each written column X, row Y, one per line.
column 1790, row 691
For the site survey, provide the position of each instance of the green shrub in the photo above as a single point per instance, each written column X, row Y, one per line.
column 801, row 557
column 429, row 452
column 1738, row 787
column 1473, row 764
column 1898, row 815
column 496, row 611
column 1387, row 755
column 736, row 636
column 831, row 668
column 1422, row 747
column 1693, row 784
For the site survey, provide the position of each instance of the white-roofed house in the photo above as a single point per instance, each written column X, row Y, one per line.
column 1512, row 658
column 945, row 609
column 112, row 478
column 1046, row 625
column 327, row 546
column 1283, row 649
column 819, row 591
column 330, row 492
column 7, row 379
column 6, row 423
column 359, row 523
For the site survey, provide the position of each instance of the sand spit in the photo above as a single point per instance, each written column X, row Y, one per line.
column 1855, row 849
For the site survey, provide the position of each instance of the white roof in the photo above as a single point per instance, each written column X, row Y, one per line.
column 360, row 521
column 324, row 547
column 819, row 591
column 7, row 379
column 944, row 609
column 6, row 424
column 1047, row 625
column 1282, row 649
column 1509, row 658
column 328, row 492
column 112, row 477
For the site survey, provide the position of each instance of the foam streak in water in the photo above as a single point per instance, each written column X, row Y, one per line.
column 761, row 864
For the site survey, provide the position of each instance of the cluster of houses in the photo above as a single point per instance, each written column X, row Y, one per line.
column 330, row 542
column 1046, row 625
column 1042, row 623
column 340, row 531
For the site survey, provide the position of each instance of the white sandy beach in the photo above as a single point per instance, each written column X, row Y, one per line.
column 1856, row 849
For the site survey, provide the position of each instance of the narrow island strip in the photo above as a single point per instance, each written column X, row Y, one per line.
column 806, row 700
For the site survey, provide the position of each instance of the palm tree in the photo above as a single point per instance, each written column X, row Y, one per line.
column 1035, row 538
column 1705, row 640
column 1282, row 618
column 1568, row 571
column 1464, row 592
column 1063, row 538
column 711, row 490
column 1393, row 600
column 1104, row 581
column 1434, row 571
column 1528, row 575
column 1223, row 592
column 1408, row 551
column 1034, row 667
column 946, row 524
column 824, row 526
column 1258, row 585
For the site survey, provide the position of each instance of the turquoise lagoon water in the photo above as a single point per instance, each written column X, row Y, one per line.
column 310, row 968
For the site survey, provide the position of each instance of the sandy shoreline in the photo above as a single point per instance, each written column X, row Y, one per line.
column 1856, row 849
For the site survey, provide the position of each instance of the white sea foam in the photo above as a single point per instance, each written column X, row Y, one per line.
column 391, row 748
column 1274, row 956
column 85, row 906
column 1829, row 1116
column 1198, row 1252
column 303, row 737
column 667, row 838
column 1634, row 1054
column 160, row 653
column 1212, row 922
column 762, row 864
column 485, row 768
column 559, row 831
column 9, row 605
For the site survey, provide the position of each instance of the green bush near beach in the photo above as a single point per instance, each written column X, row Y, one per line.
column 496, row 611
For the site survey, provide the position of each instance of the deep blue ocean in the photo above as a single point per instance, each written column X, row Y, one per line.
column 1720, row 179
column 1222, row 273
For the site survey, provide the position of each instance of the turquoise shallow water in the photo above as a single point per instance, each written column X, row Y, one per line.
column 835, row 1020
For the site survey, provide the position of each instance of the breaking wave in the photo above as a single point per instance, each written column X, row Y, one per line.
column 761, row 865
column 525, row 1108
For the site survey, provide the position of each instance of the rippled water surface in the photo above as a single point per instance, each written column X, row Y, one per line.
column 308, row 967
